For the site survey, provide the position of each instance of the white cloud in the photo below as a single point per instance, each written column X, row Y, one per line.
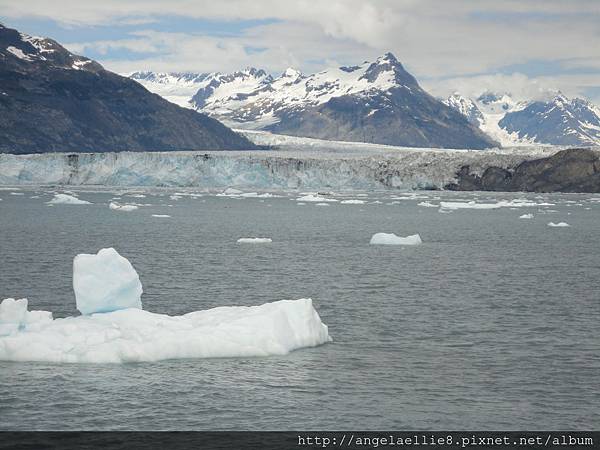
column 453, row 39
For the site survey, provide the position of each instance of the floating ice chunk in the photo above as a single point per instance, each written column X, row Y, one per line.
column 392, row 239
column 17, row 193
column 133, row 335
column 518, row 203
column 427, row 205
column 559, row 224
column 161, row 215
column 526, row 216
column 65, row 199
column 315, row 198
column 105, row 282
column 254, row 240
column 118, row 207
column 352, row 202
column 321, row 204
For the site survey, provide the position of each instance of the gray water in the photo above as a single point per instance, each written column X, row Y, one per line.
column 492, row 323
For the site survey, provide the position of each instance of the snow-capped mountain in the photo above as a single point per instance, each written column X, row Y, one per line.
column 376, row 102
column 556, row 121
column 54, row 101
column 466, row 107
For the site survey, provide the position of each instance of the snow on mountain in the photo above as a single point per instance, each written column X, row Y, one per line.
column 558, row 121
column 377, row 102
column 22, row 50
column 175, row 87
column 466, row 107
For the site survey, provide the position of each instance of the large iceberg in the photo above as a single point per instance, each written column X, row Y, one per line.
column 105, row 282
column 134, row 335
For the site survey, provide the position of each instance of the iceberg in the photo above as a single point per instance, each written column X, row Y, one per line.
column 526, row 216
column 315, row 198
column 65, row 199
column 392, row 239
column 352, row 202
column 105, row 282
column 254, row 240
column 118, row 207
column 114, row 328
column 134, row 335
column 559, row 224
column 162, row 216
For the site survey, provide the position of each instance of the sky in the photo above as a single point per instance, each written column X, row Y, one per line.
column 525, row 47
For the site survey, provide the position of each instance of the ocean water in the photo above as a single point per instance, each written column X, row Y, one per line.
column 492, row 323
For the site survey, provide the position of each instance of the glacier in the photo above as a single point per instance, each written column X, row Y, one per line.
column 295, row 163
column 113, row 327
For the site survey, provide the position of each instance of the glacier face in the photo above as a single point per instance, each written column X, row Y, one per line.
column 298, row 163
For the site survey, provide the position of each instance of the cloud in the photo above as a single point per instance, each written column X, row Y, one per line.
column 437, row 41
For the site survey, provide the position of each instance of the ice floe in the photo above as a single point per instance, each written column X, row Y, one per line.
column 164, row 216
column 315, row 198
column 352, row 202
column 65, row 199
column 392, row 239
column 428, row 205
column 129, row 334
column 501, row 204
column 559, row 224
column 526, row 216
column 255, row 240
column 118, row 207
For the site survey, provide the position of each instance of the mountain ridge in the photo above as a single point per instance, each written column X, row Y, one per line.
column 52, row 100
column 378, row 102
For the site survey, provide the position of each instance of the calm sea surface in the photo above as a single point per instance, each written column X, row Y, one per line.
column 492, row 323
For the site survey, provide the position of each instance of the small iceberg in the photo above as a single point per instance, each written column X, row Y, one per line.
column 256, row 240
column 352, row 202
column 163, row 216
column 125, row 333
column 118, row 207
column 315, row 198
column 427, row 205
column 392, row 239
column 559, row 224
column 65, row 199
column 526, row 216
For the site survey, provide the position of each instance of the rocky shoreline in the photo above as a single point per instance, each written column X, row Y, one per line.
column 571, row 170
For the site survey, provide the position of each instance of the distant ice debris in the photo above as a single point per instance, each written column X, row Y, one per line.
column 315, row 198
column 254, row 240
column 559, row 224
column 232, row 191
column 475, row 205
column 321, row 204
column 427, row 205
column 114, row 328
column 65, row 199
column 118, row 207
column 352, row 202
column 526, row 216
column 392, row 239
column 161, row 215
column 105, row 282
